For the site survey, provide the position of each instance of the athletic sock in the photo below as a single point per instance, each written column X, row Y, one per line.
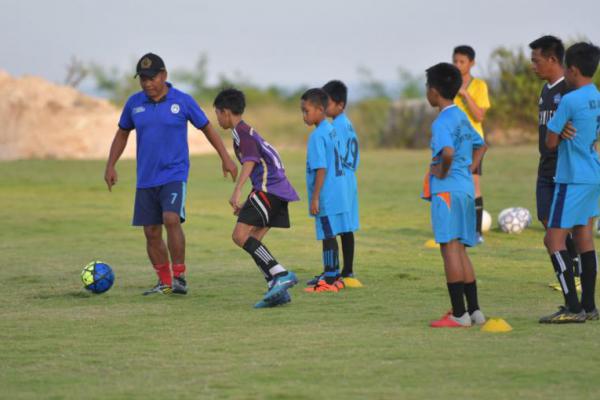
column 479, row 213
column 562, row 263
column 589, row 269
column 178, row 270
column 570, row 243
column 471, row 296
column 164, row 273
column 348, row 252
column 331, row 263
column 457, row 291
column 263, row 258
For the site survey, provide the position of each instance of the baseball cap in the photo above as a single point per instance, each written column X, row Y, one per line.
column 149, row 65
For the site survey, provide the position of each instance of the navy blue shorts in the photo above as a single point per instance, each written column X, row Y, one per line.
column 544, row 193
column 151, row 203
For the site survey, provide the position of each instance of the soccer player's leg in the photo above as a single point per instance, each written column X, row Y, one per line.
column 478, row 202
column 584, row 238
column 172, row 198
column 147, row 213
column 477, row 317
column 327, row 230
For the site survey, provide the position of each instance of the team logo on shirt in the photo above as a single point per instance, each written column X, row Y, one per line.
column 138, row 110
column 175, row 108
column 557, row 98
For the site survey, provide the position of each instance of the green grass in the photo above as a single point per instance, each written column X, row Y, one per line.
column 56, row 341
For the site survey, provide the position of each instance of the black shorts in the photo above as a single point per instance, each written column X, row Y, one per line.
column 265, row 210
column 544, row 193
column 479, row 170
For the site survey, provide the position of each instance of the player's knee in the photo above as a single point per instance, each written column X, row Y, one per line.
column 239, row 238
column 171, row 219
column 548, row 242
column 153, row 233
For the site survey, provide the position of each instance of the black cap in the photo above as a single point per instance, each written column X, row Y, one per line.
column 149, row 65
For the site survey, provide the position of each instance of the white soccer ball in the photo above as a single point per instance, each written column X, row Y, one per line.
column 486, row 221
column 514, row 219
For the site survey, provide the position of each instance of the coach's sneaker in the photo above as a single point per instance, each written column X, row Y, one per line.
column 592, row 315
column 280, row 284
column 322, row 286
column 450, row 321
column 279, row 301
column 159, row 288
column 564, row 316
column 315, row 279
column 180, row 285
column 351, row 282
column 477, row 318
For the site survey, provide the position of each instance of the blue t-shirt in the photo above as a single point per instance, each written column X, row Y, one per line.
column 452, row 129
column 349, row 149
column 161, row 135
column 323, row 151
column 578, row 160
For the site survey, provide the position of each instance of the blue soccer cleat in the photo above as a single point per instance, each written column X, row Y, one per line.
column 278, row 301
column 280, row 285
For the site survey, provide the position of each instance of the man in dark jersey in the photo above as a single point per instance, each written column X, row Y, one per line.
column 547, row 55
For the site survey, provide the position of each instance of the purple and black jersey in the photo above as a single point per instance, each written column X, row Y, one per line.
column 268, row 174
column 549, row 100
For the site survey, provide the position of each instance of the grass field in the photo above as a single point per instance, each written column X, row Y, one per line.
column 58, row 342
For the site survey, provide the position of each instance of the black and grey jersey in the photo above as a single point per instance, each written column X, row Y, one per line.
column 549, row 99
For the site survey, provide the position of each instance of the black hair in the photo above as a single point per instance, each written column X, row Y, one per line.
column 583, row 56
column 465, row 50
column 337, row 91
column 549, row 46
column 316, row 96
column 445, row 78
column 231, row 99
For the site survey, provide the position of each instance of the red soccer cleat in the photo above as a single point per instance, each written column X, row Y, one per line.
column 450, row 321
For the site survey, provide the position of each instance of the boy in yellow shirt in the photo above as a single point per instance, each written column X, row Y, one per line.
column 474, row 101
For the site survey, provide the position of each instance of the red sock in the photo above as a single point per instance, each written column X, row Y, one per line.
column 164, row 273
column 178, row 269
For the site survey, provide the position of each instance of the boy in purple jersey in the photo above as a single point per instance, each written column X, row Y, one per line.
column 267, row 205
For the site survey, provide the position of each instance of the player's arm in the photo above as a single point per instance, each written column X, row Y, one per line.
column 319, row 180
column 478, row 113
column 215, row 140
column 552, row 140
column 478, row 154
column 441, row 169
column 557, row 124
column 247, row 168
column 116, row 150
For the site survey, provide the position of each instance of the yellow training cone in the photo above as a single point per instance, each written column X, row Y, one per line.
column 431, row 244
column 496, row 325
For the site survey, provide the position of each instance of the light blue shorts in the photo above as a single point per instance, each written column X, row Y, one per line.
column 573, row 204
column 330, row 226
column 453, row 218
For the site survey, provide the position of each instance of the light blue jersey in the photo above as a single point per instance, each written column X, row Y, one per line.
column 350, row 159
column 452, row 129
column 578, row 160
column 323, row 151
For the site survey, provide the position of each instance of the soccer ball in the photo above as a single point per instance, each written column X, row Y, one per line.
column 97, row 277
column 514, row 219
column 486, row 221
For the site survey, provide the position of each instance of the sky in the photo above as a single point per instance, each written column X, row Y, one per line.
column 287, row 43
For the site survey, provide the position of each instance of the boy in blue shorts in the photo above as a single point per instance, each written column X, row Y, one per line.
column 267, row 205
column 324, row 182
column 457, row 150
column 338, row 98
column 577, row 190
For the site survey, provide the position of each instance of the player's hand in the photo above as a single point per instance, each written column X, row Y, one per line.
column 568, row 132
column 436, row 170
column 229, row 167
column 234, row 201
column 462, row 92
column 110, row 177
column 314, row 206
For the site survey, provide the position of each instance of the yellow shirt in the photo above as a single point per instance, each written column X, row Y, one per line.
column 478, row 91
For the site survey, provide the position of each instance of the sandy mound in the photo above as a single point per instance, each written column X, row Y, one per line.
column 40, row 119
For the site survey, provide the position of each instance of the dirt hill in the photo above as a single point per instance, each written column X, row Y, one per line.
column 39, row 119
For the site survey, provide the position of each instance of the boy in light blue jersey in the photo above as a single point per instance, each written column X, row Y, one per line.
column 456, row 150
column 326, row 186
column 338, row 98
column 577, row 190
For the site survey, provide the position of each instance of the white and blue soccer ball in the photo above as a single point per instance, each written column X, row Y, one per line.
column 514, row 219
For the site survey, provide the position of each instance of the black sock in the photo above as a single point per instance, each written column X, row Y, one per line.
column 479, row 213
column 573, row 254
column 263, row 258
column 348, row 252
column 331, row 263
column 457, row 291
column 471, row 296
column 589, row 267
column 562, row 263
